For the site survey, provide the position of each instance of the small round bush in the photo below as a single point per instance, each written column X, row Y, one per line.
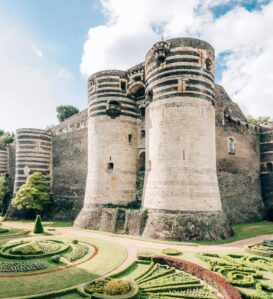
column 117, row 287
column 75, row 241
column 171, row 251
column 56, row 259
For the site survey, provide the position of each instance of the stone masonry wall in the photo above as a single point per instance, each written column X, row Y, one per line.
column 69, row 158
column 239, row 173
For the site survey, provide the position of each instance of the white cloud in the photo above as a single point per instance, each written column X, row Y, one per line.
column 134, row 25
column 30, row 87
column 37, row 51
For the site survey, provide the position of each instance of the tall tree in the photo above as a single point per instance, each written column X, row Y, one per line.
column 34, row 194
column 4, row 193
column 65, row 112
column 6, row 137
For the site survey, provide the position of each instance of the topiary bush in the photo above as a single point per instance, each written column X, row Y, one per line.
column 56, row 259
column 171, row 251
column 38, row 227
column 117, row 287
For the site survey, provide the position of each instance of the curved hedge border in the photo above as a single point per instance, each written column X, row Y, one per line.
column 56, row 294
column 211, row 278
column 7, row 255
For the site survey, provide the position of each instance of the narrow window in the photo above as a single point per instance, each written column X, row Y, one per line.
column 184, row 155
column 130, row 137
column 142, row 112
column 110, row 166
column 149, row 166
column 123, row 85
column 113, row 109
column 142, row 134
column 137, row 78
column 150, row 95
column 231, row 146
column 208, row 64
column 269, row 167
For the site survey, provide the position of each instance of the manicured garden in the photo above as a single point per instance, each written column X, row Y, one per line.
column 46, row 264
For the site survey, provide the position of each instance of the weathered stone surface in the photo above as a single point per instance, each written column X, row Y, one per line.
column 239, row 173
column 187, row 226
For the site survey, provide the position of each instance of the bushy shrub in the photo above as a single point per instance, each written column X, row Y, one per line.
column 97, row 286
column 75, row 241
column 56, row 259
column 117, row 287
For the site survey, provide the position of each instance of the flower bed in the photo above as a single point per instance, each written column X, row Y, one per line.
column 23, row 266
column 154, row 281
column 213, row 279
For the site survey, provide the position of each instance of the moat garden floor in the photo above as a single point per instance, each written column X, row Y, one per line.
column 115, row 253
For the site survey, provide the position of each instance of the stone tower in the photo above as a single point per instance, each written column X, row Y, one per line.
column 112, row 150
column 33, row 153
column 3, row 160
column 181, row 186
column 266, row 139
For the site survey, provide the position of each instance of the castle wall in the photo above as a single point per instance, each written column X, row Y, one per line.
column 69, row 166
column 239, row 172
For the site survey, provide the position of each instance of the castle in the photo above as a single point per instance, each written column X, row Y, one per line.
column 162, row 138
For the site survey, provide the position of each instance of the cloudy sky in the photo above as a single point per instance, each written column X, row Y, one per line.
column 48, row 48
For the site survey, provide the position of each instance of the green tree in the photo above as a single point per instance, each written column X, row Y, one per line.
column 260, row 120
column 65, row 112
column 4, row 193
column 6, row 137
column 38, row 227
column 34, row 194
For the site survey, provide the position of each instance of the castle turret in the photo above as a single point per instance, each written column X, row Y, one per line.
column 3, row 160
column 266, row 139
column 112, row 150
column 33, row 153
column 181, row 186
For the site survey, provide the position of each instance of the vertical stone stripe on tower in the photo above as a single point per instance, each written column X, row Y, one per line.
column 33, row 154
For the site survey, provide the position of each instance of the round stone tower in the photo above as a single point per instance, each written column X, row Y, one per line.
column 3, row 160
column 181, row 186
column 33, row 153
column 112, row 150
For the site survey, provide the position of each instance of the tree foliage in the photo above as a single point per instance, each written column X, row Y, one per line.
column 65, row 112
column 4, row 193
column 260, row 120
column 34, row 194
column 6, row 137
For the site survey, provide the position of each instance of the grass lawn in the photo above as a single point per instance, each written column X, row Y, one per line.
column 245, row 231
column 241, row 232
column 109, row 257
